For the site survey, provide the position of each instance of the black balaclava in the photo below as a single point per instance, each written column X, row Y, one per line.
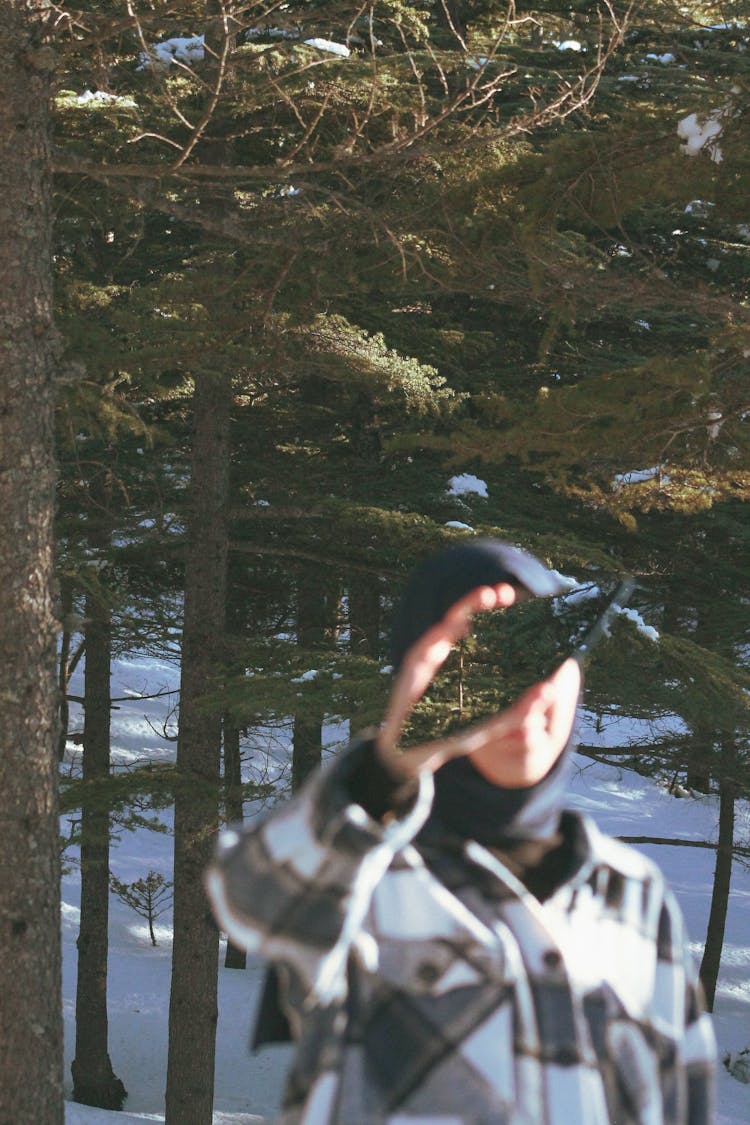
column 465, row 802
column 472, row 807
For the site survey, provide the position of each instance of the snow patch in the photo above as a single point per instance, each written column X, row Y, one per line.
column 737, row 1063
column 329, row 46
column 634, row 616
column 637, row 476
column 466, row 485
column 699, row 131
column 99, row 99
column 306, row 677
column 582, row 593
column 186, row 50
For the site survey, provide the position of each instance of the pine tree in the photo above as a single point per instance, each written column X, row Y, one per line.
column 31, row 1009
column 149, row 897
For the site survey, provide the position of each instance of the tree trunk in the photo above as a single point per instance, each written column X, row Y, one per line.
column 308, row 744
column 317, row 610
column 706, row 732
column 63, row 666
column 94, row 1081
column 700, row 757
column 193, row 997
column 235, row 957
column 709, row 970
column 30, row 993
column 364, row 616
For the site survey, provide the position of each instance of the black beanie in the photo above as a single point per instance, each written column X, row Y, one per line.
column 443, row 578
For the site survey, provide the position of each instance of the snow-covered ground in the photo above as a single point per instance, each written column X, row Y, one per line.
column 248, row 1086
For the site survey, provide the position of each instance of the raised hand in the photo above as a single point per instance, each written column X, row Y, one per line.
column 514, row 748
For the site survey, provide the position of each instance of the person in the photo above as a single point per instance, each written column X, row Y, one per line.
column 452, row 945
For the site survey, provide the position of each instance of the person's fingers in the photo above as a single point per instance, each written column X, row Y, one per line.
column 482, row 599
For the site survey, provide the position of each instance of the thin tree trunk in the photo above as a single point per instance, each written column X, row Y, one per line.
column 63, row 666
column 317, row 610
column 235, row 957
column 193, row 997
column 364, row 616
column 94, row 1081
column 709, row 970
column 30, row 994
column 701, row 753
column 308, row 744
column 703, row 743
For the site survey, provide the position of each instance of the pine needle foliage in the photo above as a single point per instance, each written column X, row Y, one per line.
column 422, row 239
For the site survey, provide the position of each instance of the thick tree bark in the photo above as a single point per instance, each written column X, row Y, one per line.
column 709, row 970
column 30, row 996
column 193, row 1002
column 94, row 1081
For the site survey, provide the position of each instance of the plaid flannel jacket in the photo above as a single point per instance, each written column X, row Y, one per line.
column 426, row 986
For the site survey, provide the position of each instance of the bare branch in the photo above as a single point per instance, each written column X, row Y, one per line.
column 214, row 93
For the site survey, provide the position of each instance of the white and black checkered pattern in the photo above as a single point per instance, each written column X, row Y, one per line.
column 427, row 986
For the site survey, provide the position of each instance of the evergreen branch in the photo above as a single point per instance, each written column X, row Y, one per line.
column 405, row 149
column 276, row 512
column 322, row 559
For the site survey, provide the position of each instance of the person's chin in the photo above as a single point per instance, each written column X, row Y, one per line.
column 515, row 771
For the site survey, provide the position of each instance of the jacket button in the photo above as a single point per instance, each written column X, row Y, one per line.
column 566, row 1056
column 427, row 972
column 552, row 959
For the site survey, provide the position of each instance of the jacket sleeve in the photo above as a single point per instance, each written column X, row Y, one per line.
column 697, row 1044
column 297, row 887
column 699, row 1059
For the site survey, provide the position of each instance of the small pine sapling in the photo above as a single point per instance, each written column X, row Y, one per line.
column 149, row 897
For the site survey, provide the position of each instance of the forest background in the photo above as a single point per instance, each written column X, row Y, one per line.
column 283, row 271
